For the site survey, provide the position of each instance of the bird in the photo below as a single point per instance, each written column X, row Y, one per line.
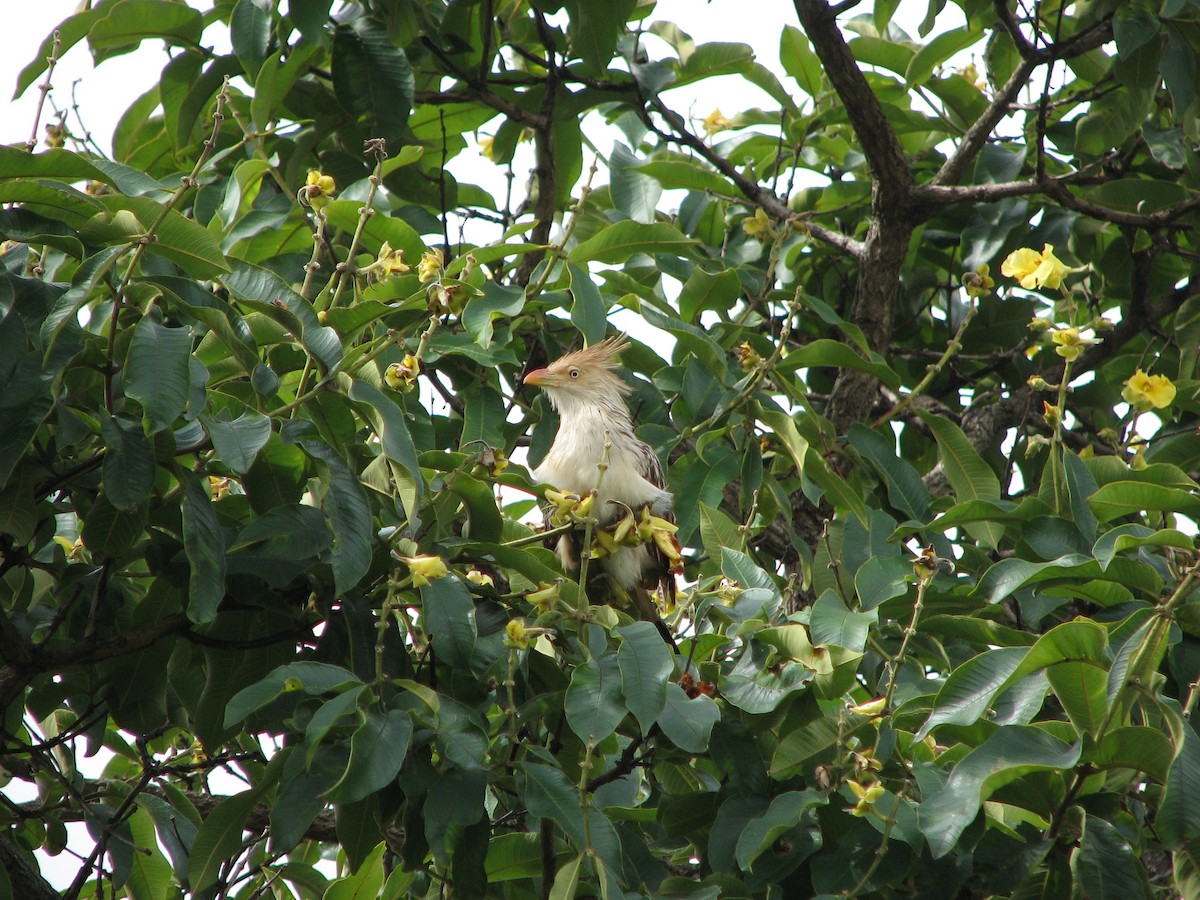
column 634, row 510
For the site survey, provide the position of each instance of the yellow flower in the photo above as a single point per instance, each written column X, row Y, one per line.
column 748, row 358
column 971, row 73
column 218, row 487
column 430, row 265
column 759, row 226
column 516, row 636
column 979, row 283
column 317, row 191
column 1051, row 414
column 866, row 796
column 870, row 708
column 425, row 569
column 483, row 579
column 487, row 146
column 1144, row 392
column 662, row 533
column 544, row 598
column 389, row 262
column 1070, row 343
column 402, row 376
column 1036, row 270
column 715, row 122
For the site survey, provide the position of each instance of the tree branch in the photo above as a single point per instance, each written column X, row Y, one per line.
column 880, row 145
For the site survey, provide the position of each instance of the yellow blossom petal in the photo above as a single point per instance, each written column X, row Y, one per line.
column 425, row 569
column 1144, row 392
column 430, row 265
column 715, row 122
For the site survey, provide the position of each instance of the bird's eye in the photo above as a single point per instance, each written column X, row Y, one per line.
column 574, row 373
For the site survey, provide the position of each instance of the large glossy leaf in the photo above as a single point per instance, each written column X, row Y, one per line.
column 1010, row 753
column 450, row 621
column 594, row 703
column 377, row 751
column 645, row 663
column 373, row 78
column 204, row 543
column 969, row 475
column 617, row 242
column 157, row 372
column 128, row 469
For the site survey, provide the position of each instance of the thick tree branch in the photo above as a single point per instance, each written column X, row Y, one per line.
column 955, row 168
column 885, row 156
column 756, row 193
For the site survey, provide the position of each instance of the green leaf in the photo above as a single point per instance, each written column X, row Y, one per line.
column 594, row 29
column 718, row 531
column 803, row 746
column 449, row 615
column 157, row 372
column 204, row 543
column 377, row 751
column 713, row 59
column 372, row 78
column 266, row 292
column 588, row 312
column 906, row 490
column 219, row 838
column 800, row 61
column 832, row 624
column 365, row 883
column 1106, row 866
column 785, row 812
column 250, row 31
column 237, row 442
column 1124, row 498
column 879, row 580
column 594, row 704
column 938, row 51
column 688, row 723
column 310, row 677
column 176, row 239
column 394, row 437
column 549, row 795
column 128, row 469
column 969, row 692
column 618, row 242
column 834, row 354
column 112, row 532
column 1010, row 753
column 481, row 312
column 705, row 291
column 1082, row 689
column 1178, row 819
column 968, row 474
column 1134, row 747
column 634, row 193
column 645, row 664
column 566, row 880
column 349, row 514
column 129, row 22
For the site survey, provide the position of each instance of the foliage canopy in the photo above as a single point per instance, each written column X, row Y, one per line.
column 260, row 383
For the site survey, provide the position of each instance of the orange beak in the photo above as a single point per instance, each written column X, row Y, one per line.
column 537, row 377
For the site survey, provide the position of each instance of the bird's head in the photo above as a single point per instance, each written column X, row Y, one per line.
column 584, row 376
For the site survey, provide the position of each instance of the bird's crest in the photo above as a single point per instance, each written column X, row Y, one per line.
column 601, row 356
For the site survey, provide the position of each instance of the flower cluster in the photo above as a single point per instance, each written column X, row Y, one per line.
column 715, row 121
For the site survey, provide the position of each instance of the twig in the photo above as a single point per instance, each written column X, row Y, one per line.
column 45, row 88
